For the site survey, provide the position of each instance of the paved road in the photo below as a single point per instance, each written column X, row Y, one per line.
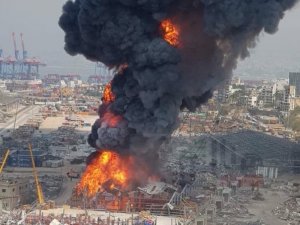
column 66, row 191
column 22, row 118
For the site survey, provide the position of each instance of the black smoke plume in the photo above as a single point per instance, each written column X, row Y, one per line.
column 160, row 79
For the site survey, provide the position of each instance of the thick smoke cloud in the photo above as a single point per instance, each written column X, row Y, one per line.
column 161, row 79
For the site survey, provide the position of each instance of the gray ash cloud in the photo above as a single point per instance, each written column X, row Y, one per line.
column 161, row 79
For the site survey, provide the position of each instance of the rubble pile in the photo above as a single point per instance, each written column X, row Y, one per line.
column 231, row 221
column 10, row 217
column 66, row 135
column 234, row 209
column 25, row 131
column 291, row 188
column 51, row 186
column 259, row 222
column 243, row 196
column 258, row 196
column 288, row 210
column 206, row 180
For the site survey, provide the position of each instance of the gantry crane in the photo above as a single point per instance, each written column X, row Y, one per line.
column 36, row 179
column 23, row 47
column 15, row 46
column 4, row 160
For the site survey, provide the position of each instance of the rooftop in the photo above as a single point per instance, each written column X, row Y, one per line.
column 263, row 145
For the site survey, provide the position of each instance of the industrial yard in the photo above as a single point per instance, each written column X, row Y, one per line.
column 214, row 169
column 145, row 113
column 200, row 182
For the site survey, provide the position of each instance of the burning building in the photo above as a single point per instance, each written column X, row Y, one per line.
column 169, row 55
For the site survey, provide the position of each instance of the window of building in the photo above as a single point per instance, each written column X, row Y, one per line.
column 13, row 190
column 3, row 190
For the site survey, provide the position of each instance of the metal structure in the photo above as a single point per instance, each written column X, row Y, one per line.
column 102, row 74
column 55, row 79
column 94, row 79
column 19, row 68
column 70, row 77
column 5, row 157
column 15, row 46
column 23, row 47
column 39, row 190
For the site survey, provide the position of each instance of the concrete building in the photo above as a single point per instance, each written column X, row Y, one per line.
column 288, row 99
column 13, row 192
column 243, row 100
column 266, row 95
column 294, row 80
column 252, row 101
column 224, row 92
column 236, row 81
column 297, row 102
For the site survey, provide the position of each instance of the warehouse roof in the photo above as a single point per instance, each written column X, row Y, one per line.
column 263, row 145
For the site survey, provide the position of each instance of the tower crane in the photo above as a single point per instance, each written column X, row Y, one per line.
column 39, row 190
column 4, row 160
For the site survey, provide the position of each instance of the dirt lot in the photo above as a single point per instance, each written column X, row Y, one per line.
column 263, row 209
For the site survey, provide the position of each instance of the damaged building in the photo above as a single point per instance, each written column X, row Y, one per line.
column 13, row 192
column 243, row 150
column 249, row 149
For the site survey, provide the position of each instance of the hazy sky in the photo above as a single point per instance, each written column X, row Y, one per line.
column 38, row 19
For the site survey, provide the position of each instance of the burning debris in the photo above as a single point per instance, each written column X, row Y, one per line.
column 108, row 95
column 175, row 52
column 107, row 170
column 170, row 32
column 111, row 172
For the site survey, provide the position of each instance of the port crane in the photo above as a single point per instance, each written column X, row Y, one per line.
column 39, row 190
column 23, row 47
column 19, row 66
column 15, row 46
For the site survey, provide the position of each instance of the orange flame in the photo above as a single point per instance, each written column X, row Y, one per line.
column 170, row 32
column 111, row 119
column 106, row 167
column 108, row 95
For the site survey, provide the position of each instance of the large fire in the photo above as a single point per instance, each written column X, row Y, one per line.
column 111, row 120
column 108, row 95
column 107, row 171
column 170, row 32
